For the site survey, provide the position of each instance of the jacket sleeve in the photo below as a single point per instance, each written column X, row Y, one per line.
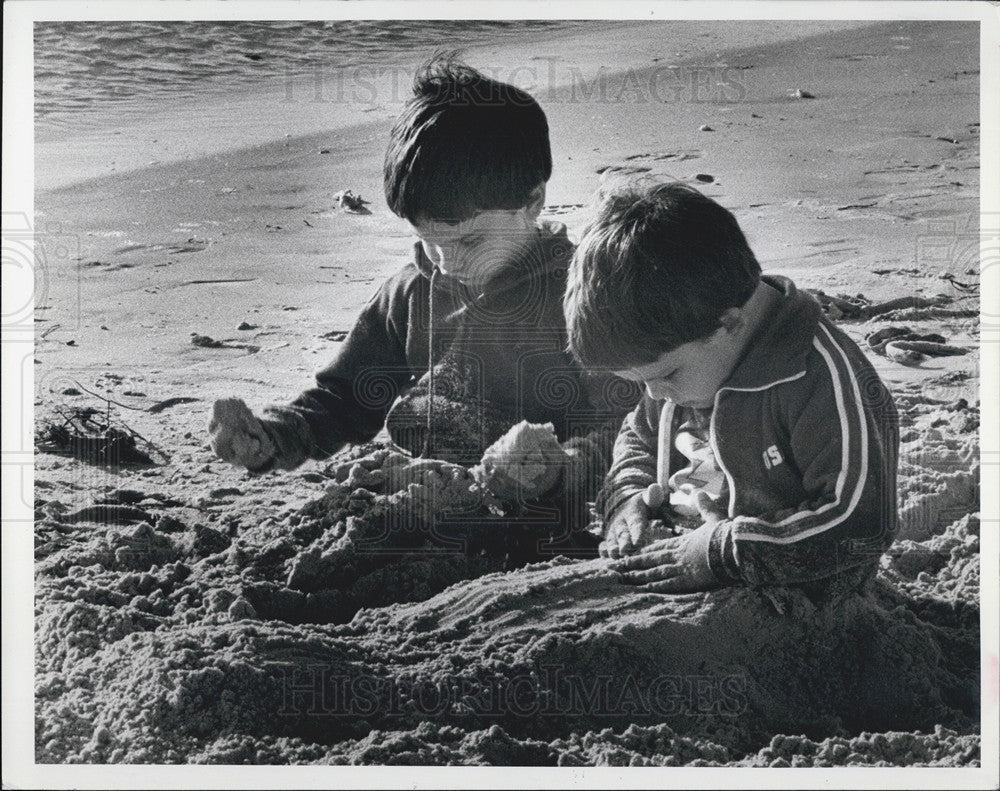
column 633, row 465
column 843, row 439
column 353, row 393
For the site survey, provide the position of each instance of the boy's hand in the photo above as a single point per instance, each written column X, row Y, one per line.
column 630, row 529
column 238, row 436
column 675, row 565
column 525, row 463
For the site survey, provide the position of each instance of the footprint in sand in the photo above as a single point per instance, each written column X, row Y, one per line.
column 557, row 209
column 663, row 156
column 620, row 170
column 106, row 266
column 831, row 250
column 207, row 342
column 191, row 245
column 645, row 163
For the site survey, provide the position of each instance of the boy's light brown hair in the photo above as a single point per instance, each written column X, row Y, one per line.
column 656, row 269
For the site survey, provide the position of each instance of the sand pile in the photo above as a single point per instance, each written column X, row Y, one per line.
column 163, row 642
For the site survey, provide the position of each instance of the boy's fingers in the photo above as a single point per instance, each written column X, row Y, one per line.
column 608, row 549
column 672, row 585
column 625, row 536
column 243, row 449
column 638, row 532
column 645, row 560
column 633, row 538
column 238, row 437
column 658, row 573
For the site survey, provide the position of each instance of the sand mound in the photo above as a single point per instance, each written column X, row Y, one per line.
column 270, row 642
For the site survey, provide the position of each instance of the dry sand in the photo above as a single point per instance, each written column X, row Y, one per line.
column 186, row 612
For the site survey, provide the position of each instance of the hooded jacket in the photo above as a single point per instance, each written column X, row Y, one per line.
column 807, row 437
column 426, row 351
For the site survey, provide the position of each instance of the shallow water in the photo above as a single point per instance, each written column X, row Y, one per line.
column 81, row 66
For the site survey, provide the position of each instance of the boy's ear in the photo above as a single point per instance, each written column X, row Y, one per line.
column 536, row 202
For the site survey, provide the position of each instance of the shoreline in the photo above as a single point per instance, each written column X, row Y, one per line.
column 65, row 159
column 822, row 197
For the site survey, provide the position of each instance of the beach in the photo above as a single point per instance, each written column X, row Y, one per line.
column 193, row 249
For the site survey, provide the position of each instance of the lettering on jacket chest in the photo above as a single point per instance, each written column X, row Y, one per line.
column 772, row 457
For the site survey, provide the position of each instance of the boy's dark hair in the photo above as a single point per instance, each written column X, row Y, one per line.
column 656, row 269
column 464, row 143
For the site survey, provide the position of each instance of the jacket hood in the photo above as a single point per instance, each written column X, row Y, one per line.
column 779, row 348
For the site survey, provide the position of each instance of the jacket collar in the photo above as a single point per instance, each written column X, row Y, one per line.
column 778, row 351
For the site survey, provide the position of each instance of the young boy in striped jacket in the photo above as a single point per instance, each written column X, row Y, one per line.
column 763, row 429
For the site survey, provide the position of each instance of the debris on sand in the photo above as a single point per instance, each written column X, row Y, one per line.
column 903, row 345
column 90, row 435
column 929, row 314
column 840, row 306
column 349, row 202
column 903, row 303
column 895, row 352
column 859, row 307
column 961, row 286
column 207, row 342
column 160, row 406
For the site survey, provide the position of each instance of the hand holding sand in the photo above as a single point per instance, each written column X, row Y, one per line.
column 525, row 463
column 238, row 436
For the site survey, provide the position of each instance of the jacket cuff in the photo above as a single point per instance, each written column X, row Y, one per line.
column 611, row 503
column 722, row 554
column 291, row 435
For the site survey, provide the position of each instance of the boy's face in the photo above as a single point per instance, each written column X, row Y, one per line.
column 472, row 249
column 691, row 374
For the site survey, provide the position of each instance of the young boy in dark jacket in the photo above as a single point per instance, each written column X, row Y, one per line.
column 762, row 422
column 468, row 338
